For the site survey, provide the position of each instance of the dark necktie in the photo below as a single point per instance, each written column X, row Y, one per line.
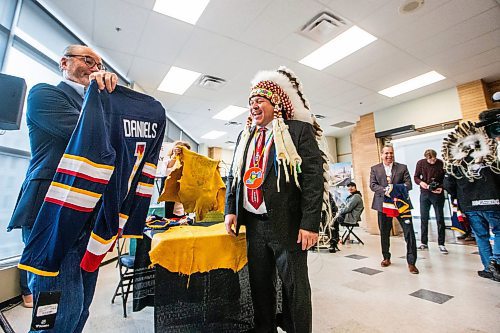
column 255, row 196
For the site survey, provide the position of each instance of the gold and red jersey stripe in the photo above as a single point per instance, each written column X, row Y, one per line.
column 144, row 190
column 149, row 170
column 98, row 245
column 72, row 197
column 84, row 168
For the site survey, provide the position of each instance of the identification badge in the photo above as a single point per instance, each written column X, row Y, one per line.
column 45, row 311
column 253, row 178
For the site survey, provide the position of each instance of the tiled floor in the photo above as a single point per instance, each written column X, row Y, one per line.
column 447, row 295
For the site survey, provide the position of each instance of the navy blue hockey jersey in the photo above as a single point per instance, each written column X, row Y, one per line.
column 106, row 175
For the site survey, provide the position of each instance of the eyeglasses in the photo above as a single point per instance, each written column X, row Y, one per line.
column 89, row 61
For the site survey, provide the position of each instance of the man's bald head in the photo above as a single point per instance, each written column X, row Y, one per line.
column 74, row 66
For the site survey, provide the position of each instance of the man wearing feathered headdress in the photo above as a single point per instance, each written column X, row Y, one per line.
column 276, row 187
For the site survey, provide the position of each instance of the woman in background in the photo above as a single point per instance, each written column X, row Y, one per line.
column 174, row 209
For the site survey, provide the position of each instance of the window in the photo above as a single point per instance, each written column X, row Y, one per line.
column 188, row 139
column 21, row 65
column 14, row 150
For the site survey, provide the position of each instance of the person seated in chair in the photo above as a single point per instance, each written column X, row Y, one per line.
column 350, row 213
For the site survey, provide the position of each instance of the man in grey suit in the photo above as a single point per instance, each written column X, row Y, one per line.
column 278, row 199
column 381, row 175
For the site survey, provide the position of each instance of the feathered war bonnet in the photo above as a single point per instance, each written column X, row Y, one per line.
column 284, row 90
column 467, row 150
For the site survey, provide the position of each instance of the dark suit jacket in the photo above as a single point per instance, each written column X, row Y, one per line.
column 378, row 181
column 52, row 114
column 290, row 209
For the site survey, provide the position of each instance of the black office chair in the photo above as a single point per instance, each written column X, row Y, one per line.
column 349, row 231
column 126, row 271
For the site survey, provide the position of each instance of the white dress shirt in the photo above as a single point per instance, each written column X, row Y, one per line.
column 79, row 88
column 251, row 147
column 388, row 170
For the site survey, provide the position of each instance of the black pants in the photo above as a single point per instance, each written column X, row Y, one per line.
column 428, row 199
column 385, row 226
column 266, row 255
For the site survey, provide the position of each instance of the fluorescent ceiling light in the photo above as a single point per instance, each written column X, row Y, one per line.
column 178, row 80
column 213, row 135
column 338, row 48
column 412, row 84
column 232, row 111
column 186, row 10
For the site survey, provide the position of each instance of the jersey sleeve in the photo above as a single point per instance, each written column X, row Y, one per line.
column 81, row 178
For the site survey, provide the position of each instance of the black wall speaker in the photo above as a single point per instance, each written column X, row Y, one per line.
column 12, row 93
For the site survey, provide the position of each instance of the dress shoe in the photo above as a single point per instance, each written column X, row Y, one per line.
column 443, row 249
column 28, row 301
column 494, row 268
column 485, row 274
column 463, row 236
column 385, row 262
column 413, row 269
column 333, row 248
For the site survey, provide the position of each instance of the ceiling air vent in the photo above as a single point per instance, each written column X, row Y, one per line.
column 211, row 82
column 229, row 142
column 319, row 116
column 323, row 27
column 342, row 124
column 232, row 123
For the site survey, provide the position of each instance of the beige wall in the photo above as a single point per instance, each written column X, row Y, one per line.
column 10, row 283
column 437, row 108
column 344, row 150
column 473, row 99
column 364, row 155
column 332, row 148
column 225, row 156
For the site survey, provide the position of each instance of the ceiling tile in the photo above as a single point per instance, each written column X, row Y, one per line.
column 147, row 73
column 355, row 11
column 162, row 38
column 231, row 18
column 441, row 19
column 461, row 33
column 120, row 60
column 129, row 18
column 488, row 73
column 385, row 18
column 147, row 4
column 479, row 60
column 274, row 24
column 464, row 51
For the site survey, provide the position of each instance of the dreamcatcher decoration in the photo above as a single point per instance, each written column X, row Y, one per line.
column 467, row 150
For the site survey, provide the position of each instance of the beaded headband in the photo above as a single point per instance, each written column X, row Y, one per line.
column 275, row 94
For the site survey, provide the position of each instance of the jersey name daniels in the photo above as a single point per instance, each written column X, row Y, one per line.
column 139, row 129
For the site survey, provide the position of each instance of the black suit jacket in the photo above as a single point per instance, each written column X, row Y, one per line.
column 378, row 181
column 290, row 209
column 52, row 114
